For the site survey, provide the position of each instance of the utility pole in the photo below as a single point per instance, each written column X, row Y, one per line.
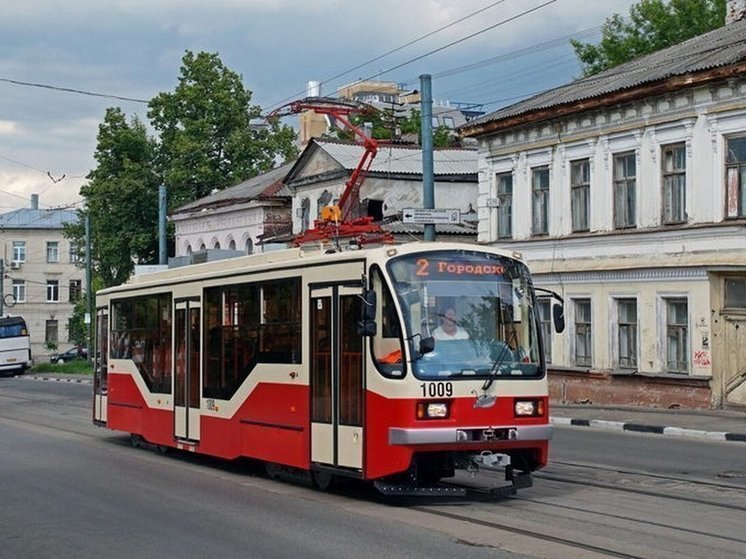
column 426, row 130
column 162, row 202
column 88, row 287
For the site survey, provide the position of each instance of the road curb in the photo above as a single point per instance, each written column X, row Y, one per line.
column 56, row 379
column 652, row 429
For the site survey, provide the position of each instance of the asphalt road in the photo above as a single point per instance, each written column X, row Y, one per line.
column 69, row 489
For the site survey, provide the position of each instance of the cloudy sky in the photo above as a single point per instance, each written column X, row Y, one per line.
column 133, row 49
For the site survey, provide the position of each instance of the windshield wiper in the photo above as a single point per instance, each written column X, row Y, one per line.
column 499, row 353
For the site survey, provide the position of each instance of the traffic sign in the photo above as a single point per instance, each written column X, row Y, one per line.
column 434, row 215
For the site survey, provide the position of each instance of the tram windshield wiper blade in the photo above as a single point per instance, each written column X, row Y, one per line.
column 499, row 356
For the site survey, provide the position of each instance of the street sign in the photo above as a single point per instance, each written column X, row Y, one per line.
column 435, row 215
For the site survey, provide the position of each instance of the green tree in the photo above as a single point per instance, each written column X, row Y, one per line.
column 652, row 25
column 385, row 122
column 206, row 137
column 122, row 200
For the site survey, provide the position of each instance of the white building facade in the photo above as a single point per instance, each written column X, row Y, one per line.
column 626, row 192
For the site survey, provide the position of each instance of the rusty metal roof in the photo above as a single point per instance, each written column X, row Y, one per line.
column 264, row 186
column 718, row 48
column 402, row 160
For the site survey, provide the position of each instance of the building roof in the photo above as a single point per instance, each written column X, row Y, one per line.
column 27, row 218
column 264, row 186
column 720, row 48
column 399, row 159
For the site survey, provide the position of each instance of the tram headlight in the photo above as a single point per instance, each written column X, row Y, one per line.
column 529, row 408
column 433, row 410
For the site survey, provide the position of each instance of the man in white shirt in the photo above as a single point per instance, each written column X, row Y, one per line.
column 448, row 329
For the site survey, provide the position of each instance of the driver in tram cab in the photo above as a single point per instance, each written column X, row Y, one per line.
column 449, row 329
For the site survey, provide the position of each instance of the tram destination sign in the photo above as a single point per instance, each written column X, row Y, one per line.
column 435, row 215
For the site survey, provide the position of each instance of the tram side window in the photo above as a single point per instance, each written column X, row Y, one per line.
column 141, row 331
column 245, row 325
column 387, row 343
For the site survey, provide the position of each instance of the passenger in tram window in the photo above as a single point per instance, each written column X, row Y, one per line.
column 449, row 328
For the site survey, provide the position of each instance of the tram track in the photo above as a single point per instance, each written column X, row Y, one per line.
column 608, row 552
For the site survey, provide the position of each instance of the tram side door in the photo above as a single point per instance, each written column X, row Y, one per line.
column 186, row 361
column 101, row 367
column 337, row 386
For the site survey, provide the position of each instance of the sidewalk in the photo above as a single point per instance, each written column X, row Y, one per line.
column 720, row 425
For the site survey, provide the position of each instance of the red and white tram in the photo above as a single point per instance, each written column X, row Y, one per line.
column 396, row 364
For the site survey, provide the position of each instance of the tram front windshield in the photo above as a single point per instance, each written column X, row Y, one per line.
column 467, row 314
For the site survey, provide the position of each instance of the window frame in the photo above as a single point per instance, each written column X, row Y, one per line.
column 540, row 200
column 625, row 216
column 627, row 331
column 582, row 328
column 668, row 184
column 735, row 201
column 18, row 287
column 53, row 252
column 580, row 196
column 681, row 329
column 504, row 204
column 19, row 251
column 53, row 291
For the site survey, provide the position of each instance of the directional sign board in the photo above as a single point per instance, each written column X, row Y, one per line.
column 436, row 215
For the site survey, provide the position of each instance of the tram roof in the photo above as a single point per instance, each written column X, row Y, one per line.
column 307, row 256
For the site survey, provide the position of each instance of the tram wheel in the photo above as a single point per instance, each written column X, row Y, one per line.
column 135, row 440
column 323, row 480
column 161, row 448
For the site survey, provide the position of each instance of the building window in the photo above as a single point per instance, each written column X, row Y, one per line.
column 674, row 184
column 505, row 205
column 449, row 122
column 53, row 252
column 53, row 291
column 51, row 331
column 627, row 324
column 580, row 183
column 677, row 336
column 76, row 290
column 19, row 290
column 19, row 251
column 583, row 354
column 735, row 177
column 735, row 293
column 249, row 248
column 625, row 172
column 74, row 256
column 435, row 121
column 545, row 318
column 540, row 199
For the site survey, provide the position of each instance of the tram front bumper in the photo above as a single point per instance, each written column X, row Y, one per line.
column 466, row 435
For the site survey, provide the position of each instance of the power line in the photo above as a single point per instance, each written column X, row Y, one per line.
column 73, row 90
column 470, row 36
column 392, row 51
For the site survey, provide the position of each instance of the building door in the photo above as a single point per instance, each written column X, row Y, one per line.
column 186, row 361
column 337, row 386
column 729, row 339
column 101, row 367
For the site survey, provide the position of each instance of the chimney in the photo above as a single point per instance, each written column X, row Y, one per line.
column 34, row 201
column 735, row 11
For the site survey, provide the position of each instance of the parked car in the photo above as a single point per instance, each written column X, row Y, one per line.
column 69, row 355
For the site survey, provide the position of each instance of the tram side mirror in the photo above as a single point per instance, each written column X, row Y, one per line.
column 369, row 305
column 427, row 345
column 558, row 316
column 367, row 326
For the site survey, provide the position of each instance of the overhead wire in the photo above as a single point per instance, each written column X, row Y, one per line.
column 392, row 51
column 74, row 90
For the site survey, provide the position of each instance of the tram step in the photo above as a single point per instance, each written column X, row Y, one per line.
column 414, row 491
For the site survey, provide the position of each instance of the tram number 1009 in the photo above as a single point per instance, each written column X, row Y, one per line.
column 437, row 389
